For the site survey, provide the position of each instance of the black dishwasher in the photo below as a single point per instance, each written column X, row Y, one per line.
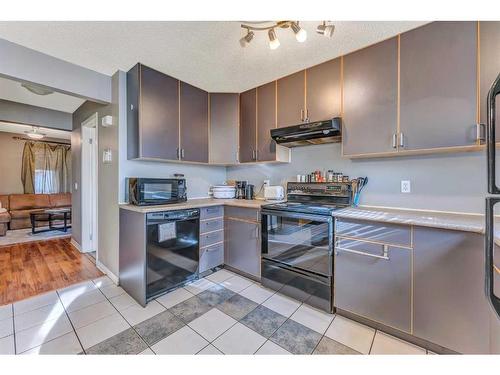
column 172, row 250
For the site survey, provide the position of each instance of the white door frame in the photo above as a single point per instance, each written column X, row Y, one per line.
column 89, row 184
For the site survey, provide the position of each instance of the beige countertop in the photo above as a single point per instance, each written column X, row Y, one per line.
column 198, row 203
column 435, row 219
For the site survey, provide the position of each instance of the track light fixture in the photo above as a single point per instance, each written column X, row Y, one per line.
column 325, row 30
column 272, row 26
column 273, row 39
column 247, row 38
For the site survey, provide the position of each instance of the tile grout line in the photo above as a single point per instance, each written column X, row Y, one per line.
column 130, row 325
column 324, row 334
column 70, row 322
column 14, row 329
column 373, row 340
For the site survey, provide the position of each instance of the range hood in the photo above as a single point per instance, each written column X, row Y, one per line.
column 313, row 133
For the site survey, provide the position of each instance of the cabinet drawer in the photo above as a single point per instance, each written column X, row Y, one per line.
column 211, row 238
column 211, row 225
column 372, row 283
column 211, row 212
column 211, row 257
column 243, row 213
column 392, row 234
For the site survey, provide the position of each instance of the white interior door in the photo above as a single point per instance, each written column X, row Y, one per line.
column 89, row 184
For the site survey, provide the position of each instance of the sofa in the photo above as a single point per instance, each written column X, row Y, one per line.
column 20, row 206
column 4, row 216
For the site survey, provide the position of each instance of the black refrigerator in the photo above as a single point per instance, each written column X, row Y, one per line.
column 492, row 199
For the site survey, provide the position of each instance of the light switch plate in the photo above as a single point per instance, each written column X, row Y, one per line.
column 405, row 186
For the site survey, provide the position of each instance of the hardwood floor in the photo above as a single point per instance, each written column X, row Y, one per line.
column 32, row 268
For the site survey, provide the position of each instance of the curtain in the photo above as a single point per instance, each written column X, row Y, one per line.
column 46, row 168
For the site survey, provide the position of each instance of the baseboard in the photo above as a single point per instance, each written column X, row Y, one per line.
column 110, row 274
column 76, row 244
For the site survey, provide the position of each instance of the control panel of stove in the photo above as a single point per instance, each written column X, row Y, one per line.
column 319, row 188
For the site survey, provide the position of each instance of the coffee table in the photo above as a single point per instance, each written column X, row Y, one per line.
column 51, row 215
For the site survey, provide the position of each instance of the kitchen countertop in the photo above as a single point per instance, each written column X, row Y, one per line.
column 434, row 219
column 198, row 203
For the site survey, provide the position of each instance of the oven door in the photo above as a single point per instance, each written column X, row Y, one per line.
column 161, row 191
column 297, row 256
column 298, row 240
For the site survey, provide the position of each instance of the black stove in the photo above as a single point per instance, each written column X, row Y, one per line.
column 297, row 241
column 320, row 198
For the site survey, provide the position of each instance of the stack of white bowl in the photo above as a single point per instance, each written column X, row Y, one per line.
column 223, row 191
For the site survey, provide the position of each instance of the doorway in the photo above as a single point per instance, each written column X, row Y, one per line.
column 89, row 185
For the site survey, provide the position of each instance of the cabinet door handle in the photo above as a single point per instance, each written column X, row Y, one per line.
column 394, row 140
column 401, row 140
column 256, row 154
column 306, row 118
column 182, row 153
column 257, row 232
column 384, row 256
column 178, row 153
column 480, row 133
column 302, row 115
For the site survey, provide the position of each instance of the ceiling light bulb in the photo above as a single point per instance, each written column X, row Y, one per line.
column 35, row 134
column 300, row 34
column 247, row 38
column 273, row 39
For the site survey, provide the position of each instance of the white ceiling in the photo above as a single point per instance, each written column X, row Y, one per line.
column 21, row 129
column 205, row 54
column 13, row 91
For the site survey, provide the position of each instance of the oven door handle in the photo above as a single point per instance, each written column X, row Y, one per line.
column 297, row 215
column 489, row 242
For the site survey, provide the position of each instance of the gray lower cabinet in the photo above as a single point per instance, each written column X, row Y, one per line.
column 374, row 282
column 211, row 238
column 438, row 86
column 451, row 308
column 242, row 244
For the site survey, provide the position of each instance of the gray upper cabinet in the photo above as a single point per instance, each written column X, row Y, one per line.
column 153, row 118
column 193, row 123
column 248, row 126
column 450, row 306
column 323, row 87
column 291, row 99
column 489, row 66
column 266, row 120
column 438, row 86
column 370, row 99
column 224, row 122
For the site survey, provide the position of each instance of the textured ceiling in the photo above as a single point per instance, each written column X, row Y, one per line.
column 205, row 54
column 13, row 91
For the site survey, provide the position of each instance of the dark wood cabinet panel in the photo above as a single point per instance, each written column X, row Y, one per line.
column 291, row 99
column 323, row 91
column 154, row 113
column 490, row 66
column 370, row 99
column 248, row 126
column 266, row 120
column 224, row 121
column 438, row 85
column 193, row 123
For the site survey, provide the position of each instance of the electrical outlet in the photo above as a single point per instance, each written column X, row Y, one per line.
column 267, row 183
column 405, row 186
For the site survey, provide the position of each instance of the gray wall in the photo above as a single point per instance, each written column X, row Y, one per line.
column 31, row 115
column 80, row 115
column 108, row 209
column 27, row 65
column 453, row 182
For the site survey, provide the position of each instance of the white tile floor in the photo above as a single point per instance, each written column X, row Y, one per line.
column 74, row 319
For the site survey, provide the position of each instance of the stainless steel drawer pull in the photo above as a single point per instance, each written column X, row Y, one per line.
column 384, row 256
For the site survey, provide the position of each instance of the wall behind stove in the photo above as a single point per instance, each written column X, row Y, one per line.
column 452, row 182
